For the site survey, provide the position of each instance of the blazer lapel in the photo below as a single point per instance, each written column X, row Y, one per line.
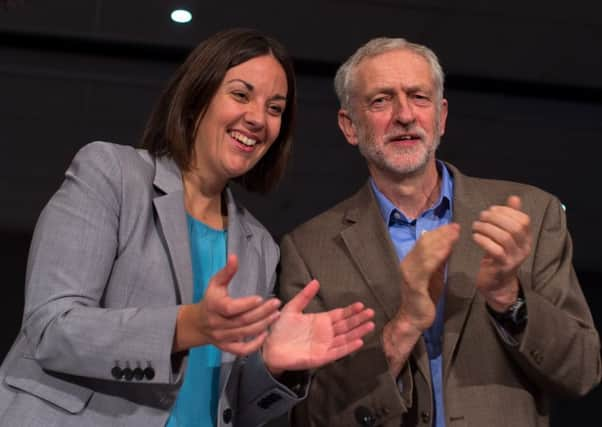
column 370, row 247
column 239, row 235
column 372, row 251
column 463, row 265
column 171, row 215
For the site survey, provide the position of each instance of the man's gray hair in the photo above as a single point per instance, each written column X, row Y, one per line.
column 343, row 80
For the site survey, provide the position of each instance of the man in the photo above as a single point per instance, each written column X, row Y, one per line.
column 479, row 315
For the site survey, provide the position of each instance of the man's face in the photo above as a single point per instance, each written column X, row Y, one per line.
column 396, row 119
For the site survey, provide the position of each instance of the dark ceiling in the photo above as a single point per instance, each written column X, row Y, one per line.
column 533, row 41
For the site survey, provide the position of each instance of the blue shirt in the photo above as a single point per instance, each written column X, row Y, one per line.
column 404, row 234
column 197, row 400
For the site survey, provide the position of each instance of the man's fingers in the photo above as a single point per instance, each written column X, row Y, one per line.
column 514, row 202
column 498, row 235
column 431, row 251
column 300, row 301
column 491, row 248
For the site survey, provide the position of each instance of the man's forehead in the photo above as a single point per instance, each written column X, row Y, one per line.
column 395, row 67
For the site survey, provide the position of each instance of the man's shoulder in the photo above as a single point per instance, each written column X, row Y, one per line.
column 496, row 189
column 330, row 221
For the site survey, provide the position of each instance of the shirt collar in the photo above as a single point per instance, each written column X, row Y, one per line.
column 439, row 208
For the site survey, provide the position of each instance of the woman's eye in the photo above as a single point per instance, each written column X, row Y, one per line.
column 241, row 96
column 276, row 110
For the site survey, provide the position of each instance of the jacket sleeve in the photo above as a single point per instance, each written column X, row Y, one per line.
column 357, row 386
column 72, row 255
column 559, row 350
column 259, row 397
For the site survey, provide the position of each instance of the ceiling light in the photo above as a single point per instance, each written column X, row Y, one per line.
column 181, row 16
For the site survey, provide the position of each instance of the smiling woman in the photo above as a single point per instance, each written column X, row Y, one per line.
column 148, row 286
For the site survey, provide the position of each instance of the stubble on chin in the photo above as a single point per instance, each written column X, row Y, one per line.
column 396, row 161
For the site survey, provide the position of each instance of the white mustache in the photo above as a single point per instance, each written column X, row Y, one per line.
column 397, row 132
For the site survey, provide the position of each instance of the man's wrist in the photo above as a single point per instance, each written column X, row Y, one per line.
column 502, row 299
column 514, row 318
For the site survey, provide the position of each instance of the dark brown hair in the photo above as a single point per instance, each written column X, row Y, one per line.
column 171, row 128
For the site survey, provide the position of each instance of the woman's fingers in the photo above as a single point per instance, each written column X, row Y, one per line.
column 243, row 348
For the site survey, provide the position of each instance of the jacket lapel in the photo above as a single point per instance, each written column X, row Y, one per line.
column 239, row 235
column 370, row 247
column 463, row 265
column 372, row 251
column 171, row 215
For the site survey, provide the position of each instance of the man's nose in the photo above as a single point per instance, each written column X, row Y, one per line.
column 404, row 111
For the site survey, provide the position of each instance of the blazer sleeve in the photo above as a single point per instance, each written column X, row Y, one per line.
column 72, row 255
column 559, row 349
column 255, row 395
column 346, row 391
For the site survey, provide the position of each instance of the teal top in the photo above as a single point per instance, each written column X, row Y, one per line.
column 197, row 400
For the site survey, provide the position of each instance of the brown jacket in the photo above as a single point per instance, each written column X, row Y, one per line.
column 487, row 381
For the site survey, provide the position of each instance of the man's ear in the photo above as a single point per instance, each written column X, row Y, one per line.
column 347, row 127
column 442, row 116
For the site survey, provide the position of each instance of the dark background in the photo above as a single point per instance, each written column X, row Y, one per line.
column 524, row 84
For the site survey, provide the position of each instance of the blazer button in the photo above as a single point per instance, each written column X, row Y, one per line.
column 149, row 373
column 138, row 373
column 537, row 357
column 128, row 374
column 117, row 372
column 364, row 417
column 425, row 417
column 227, row 415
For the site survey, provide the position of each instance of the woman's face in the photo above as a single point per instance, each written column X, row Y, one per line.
column 242, row 120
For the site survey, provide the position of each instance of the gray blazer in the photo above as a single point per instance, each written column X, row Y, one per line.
column 108, row 265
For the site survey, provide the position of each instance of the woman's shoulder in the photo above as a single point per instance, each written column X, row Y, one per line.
column 113, row 162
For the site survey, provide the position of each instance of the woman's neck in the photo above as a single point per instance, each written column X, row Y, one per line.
column 203, row 200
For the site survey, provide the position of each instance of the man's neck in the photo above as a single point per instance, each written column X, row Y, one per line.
column 412, row 194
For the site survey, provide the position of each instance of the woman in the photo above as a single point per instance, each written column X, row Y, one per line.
column 134, row 314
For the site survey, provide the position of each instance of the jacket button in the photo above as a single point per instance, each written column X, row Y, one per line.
column 537, row 357
column 227, row 415
column 128, row 374
column 364, row 417
column 138, row 374
column 149, row 373
column 425, row 417
column 117, row 373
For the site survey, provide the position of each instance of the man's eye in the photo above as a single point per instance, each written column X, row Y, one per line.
column 421, row 98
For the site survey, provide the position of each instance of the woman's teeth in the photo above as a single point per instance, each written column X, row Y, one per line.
column 249, row 142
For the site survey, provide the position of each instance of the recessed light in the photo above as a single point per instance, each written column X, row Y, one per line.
column 181, row 16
